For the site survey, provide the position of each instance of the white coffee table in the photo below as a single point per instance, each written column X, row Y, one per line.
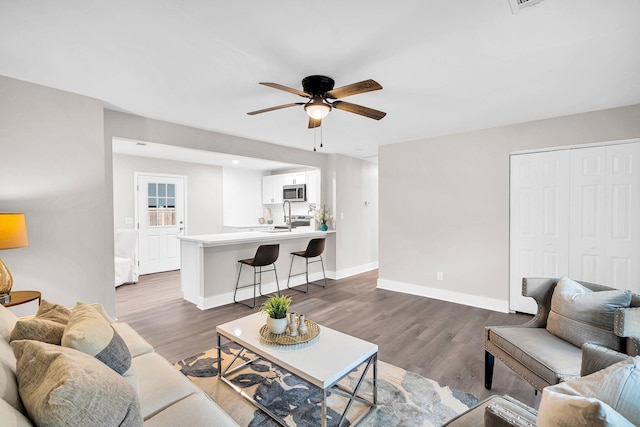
column 323, row 362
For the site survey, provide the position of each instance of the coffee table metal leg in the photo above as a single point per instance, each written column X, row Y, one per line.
column 353, row 395
column 323, row 408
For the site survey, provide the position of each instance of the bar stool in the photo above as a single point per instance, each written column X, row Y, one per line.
column 265, row 255
column 315, row 248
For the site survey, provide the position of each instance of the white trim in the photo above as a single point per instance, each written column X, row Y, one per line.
column 444, row 295
column 575, row 146
column 352, row 271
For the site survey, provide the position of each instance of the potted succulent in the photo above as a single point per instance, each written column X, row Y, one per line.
column 276, row 308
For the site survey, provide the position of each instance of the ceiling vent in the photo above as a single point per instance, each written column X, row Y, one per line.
column 518, row 5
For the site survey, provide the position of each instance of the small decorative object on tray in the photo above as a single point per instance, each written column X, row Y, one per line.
column 313, row 330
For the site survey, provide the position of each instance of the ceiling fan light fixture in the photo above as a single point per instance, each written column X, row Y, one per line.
column 316, row 109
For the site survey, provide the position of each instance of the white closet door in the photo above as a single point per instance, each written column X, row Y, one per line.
column 588, row 214
column 623, row 228
column 605, row 237
column 539, row 243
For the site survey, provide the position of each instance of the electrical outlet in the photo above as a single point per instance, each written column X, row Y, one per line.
column 440, row 275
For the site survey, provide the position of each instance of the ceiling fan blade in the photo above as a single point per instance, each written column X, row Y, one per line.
column 354, row 89
column 314, row 123
column 252, row 113
column 287, row 89
column 359, row 109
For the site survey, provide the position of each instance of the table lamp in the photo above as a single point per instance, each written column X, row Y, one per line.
column 13, row 234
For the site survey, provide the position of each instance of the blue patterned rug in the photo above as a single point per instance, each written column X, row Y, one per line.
column 404, row 398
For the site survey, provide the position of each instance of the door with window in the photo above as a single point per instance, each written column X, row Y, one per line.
column 160, row 219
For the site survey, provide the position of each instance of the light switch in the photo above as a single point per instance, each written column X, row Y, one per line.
column 128, row 220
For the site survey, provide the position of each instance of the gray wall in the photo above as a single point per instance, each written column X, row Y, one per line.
column 204, row 190
column 444, row 203
column 55, row 170
column 353, row 183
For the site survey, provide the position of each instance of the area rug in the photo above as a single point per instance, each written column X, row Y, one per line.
column 404, row 398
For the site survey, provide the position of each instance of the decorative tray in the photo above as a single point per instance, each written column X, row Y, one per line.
column 313, row 330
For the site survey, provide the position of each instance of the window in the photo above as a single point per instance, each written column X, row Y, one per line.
column 161, row 204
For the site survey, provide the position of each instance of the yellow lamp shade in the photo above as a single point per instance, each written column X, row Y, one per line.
column 13, row 234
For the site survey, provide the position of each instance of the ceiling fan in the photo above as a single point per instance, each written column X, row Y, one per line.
column 320, row 91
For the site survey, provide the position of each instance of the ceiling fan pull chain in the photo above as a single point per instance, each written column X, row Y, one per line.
column 321, row 137
column 315, row 131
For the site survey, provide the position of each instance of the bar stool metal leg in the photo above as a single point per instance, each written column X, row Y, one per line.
column 254, row 289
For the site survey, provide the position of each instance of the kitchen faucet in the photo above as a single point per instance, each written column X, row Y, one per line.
column 287, row 219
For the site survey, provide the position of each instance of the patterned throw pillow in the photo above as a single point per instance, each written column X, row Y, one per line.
column 579, row 315
column 64, row 387
column 89, row 332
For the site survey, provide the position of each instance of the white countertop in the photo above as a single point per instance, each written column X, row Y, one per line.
column 252, row 237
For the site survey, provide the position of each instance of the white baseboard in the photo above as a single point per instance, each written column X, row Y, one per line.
column 444, row 295
column 353, row 270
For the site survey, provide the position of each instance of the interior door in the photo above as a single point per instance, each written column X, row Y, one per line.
column 605, row 198
column 160, row 219
column 539, row 221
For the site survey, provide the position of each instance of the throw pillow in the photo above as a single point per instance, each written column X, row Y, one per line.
column 53, row 311
column 39, row 330
column 89, row 332
column 579, row 315
column 608, row 397
column 61, row 386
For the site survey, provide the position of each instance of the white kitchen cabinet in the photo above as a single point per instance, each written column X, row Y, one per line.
column 272, row 189
column 313, row 193
column 293, row 178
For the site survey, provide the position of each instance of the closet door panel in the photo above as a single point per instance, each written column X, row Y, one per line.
column 587, row 259
column 539, row 221
column 622, row 230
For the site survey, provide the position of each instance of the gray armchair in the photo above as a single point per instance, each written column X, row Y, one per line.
column 544, row 359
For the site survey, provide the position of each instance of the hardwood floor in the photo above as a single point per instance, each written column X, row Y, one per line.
column 436, row 339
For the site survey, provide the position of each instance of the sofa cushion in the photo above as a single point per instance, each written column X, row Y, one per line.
column 11, row 417
column 197, row 409
column 580, row 315
column 552, row 358
column 9, row 387
column 38, row 329
column 53, row 311
column 136, row 344
column 161, row 385
column 62, row 386
column 608, row 397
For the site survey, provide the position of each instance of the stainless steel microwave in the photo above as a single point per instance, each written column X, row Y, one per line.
column 295, row 193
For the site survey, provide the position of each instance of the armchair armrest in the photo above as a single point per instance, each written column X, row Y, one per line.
column 541, row 290
column 509, row 412
column 626, row 322
column 596, row 357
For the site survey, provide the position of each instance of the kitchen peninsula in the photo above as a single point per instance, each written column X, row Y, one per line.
column 210, row 263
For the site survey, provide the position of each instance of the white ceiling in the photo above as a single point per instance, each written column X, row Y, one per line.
column 446, row 66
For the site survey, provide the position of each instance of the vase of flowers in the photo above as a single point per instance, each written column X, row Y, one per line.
column 323, row 217
column 276, row 308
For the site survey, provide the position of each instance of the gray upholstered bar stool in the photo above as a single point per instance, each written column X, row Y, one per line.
column 315, row 248
column 265, row 255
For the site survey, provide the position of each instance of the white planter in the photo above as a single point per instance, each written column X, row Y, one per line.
column 277, row 326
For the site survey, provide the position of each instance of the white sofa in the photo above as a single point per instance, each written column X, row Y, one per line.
column 166, row 397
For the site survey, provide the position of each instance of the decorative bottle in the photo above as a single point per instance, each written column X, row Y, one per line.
column 293, row 325
column 302, row 325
